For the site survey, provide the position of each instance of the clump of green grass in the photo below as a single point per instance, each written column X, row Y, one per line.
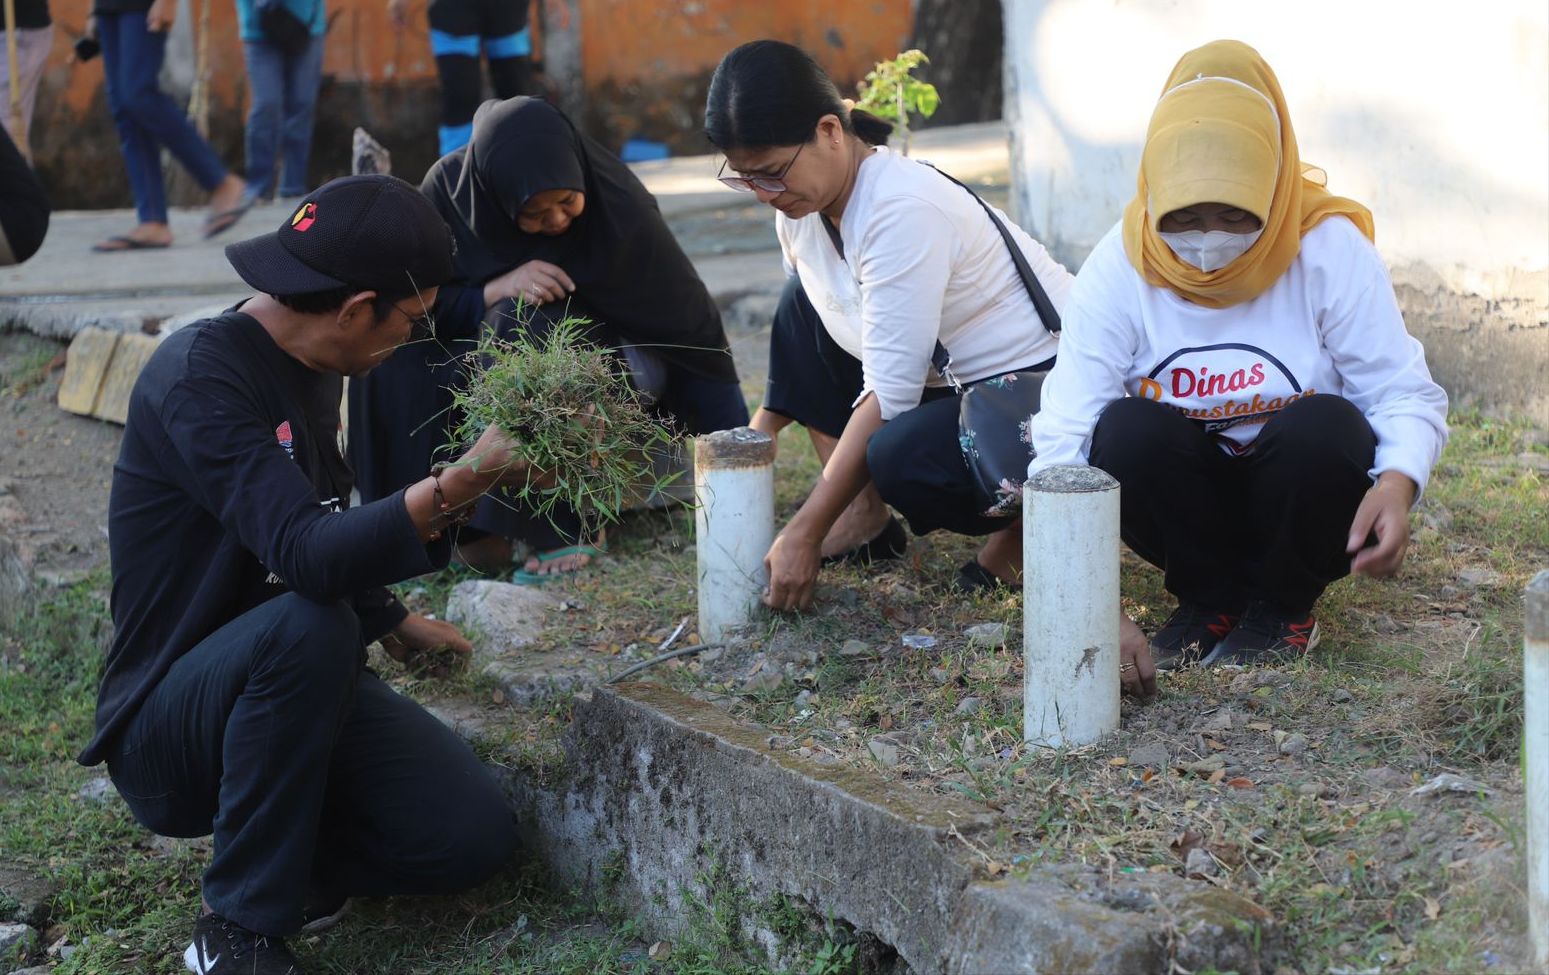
column 572, row 415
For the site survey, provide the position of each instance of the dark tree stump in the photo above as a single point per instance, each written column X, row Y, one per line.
column 964, row 40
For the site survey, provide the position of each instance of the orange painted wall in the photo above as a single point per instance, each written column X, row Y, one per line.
column 624, row 67
column 631, row 41
column 622, row 41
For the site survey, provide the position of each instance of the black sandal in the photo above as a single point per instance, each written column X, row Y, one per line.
column 973, row 577
column 890, row 543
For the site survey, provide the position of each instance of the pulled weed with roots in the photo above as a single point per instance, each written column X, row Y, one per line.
column 571, row 413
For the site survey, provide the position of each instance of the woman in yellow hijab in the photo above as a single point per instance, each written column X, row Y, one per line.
column 1234, row 355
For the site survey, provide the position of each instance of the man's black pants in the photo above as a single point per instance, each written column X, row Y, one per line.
column 315, row 777
column 1270, row 525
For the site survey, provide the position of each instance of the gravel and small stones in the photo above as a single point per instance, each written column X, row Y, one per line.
column 1386, row 625
column 1225, row 720
column 17, row 941
column 1384, row 777
column 1341, row 696
column 885, row 752
column 765, row 679
column 1205, row 766
column 854, row 648
column 1477, row 577
column 968, row 706
column 1292, row 745
column 919, row 641
column 28, row 896
column 1201, row 864
column 99, row 789
column 1150, row 755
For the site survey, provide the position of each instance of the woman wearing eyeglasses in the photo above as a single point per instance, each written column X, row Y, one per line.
column 886, row 256
column 546, row 219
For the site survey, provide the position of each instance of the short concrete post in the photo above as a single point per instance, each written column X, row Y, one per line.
column 733, row 526
column 1535, row 742
column 1070, row 606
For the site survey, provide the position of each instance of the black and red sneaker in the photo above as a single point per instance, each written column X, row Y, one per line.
column 1189, row 635
column 1266, row 636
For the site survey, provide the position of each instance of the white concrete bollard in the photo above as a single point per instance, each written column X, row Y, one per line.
column 733, row 526
column 1535, row 746
column 1070, row 606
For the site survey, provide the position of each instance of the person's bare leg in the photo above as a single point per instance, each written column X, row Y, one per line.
column 771, row 423
column 863, row 519
column 228, row 195
column 1002, row 553
column 567, row 563
column 149, row 234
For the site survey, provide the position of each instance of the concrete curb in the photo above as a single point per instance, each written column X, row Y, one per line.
column 666, row 802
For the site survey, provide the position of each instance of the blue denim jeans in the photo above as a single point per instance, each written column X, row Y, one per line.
column 145, row 117
column 282, row 89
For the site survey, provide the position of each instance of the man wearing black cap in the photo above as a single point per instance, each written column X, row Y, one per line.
column 234, row 698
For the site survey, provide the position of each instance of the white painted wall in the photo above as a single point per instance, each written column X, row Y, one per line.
column 1433, row 114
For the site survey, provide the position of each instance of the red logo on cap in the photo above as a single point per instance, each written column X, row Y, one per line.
column 304, row 217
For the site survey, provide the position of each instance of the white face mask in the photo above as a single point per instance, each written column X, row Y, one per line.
column 1210, row 250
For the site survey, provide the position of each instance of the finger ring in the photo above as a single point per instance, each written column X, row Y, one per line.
column 1126, row 666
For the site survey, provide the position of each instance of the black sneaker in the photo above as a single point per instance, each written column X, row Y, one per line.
column 1265, row 636
column 223, row 947
column 1189, row 635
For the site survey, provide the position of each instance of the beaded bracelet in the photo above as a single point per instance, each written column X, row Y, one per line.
column 445, row 516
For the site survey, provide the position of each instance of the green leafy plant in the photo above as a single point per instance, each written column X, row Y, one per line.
column 891, row 91
column 571, row 413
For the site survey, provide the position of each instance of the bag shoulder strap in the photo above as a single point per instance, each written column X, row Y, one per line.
column 1047, row 313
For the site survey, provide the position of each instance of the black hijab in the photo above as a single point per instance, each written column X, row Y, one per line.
column 628, row 269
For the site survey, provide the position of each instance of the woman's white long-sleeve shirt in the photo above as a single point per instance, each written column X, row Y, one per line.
column 1330, row 324
column 921, row 261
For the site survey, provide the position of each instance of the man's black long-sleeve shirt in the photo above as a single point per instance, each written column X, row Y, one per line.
column 228, row 491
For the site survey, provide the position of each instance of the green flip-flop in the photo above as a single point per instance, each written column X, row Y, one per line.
column 524, row 577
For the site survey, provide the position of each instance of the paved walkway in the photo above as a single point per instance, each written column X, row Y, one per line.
column 66, row 286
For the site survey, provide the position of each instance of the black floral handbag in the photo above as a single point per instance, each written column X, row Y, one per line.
column 995, row 415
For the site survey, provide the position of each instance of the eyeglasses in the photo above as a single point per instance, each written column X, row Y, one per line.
column 420, row 327
column 769, row 184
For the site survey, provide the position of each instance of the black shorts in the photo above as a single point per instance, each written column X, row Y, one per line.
column 478, row 18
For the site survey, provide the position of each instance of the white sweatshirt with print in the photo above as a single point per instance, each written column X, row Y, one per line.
column 1330, row 324
column 921, row 260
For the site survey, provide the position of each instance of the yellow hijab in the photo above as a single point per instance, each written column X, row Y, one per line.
column 1221, row 134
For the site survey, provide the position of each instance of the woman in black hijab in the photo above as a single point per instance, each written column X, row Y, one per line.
column 545, row 216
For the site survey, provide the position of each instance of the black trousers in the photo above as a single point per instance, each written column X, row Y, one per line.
column 915, row 460
column 462, row 30
column 315, row 776
column 1270, row 525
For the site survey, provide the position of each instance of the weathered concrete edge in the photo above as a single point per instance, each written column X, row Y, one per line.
column 630, row 819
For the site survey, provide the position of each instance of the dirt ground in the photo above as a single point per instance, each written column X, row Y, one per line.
column 55, row 468
column 1295, row 786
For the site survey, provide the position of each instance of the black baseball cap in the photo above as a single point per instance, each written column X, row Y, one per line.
column 372, row 232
